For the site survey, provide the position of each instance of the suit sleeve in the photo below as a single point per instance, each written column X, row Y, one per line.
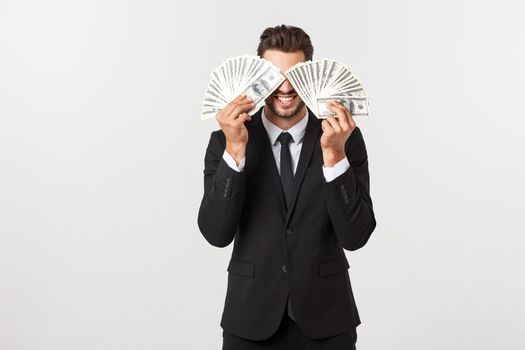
column 221, row 205
column 348, row 197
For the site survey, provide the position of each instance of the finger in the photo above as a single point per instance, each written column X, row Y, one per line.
column 239, row 122
column 234, row 114
column 229, row 107
column 232, row 111
column 218, row 115
column 241, row 99
column 221, row 117
column 338, row 108
column 334, row 123
column 343, row 116
column 242, row 118
column 327, row 128
column 248, row 106
column 351, row 122
column 348, row 114
column 345, row 125
column 347, row 122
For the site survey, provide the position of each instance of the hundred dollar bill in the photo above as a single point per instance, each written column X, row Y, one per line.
column 358, row 106
column 263, row 86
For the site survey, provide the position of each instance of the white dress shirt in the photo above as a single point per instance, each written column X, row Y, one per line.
column 297, row 131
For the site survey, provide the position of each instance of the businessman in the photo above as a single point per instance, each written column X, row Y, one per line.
column 292, row 192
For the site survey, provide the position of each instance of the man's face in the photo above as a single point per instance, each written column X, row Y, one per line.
column 284, row 102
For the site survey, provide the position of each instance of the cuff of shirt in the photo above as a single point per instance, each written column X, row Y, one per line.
column 339, row 168
column 232, row 163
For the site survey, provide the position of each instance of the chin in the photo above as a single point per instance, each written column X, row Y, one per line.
column 285, row 113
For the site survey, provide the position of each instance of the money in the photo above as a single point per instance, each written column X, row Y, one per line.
column 263, row 86
column 318, row 81
column 358, row 106
column 315, row 82
column 251, row 75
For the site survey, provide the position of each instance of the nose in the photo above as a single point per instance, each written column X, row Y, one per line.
column 285, row 87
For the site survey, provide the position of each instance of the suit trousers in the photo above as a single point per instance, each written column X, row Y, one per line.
column 289, row 337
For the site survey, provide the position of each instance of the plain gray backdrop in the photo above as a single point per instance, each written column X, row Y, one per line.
column 101, row 159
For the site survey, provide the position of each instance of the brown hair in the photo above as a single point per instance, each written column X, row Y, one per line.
column 286, row 39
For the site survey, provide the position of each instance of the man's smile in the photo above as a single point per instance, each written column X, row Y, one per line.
column 285, row 100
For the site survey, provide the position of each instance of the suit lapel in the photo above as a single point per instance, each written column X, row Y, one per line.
column 309, row 142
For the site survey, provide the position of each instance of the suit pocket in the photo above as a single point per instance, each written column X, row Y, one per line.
column 241, row 268
column 333, row 267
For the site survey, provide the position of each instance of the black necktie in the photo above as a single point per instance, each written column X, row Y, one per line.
column 286, row 166
column 287, row 181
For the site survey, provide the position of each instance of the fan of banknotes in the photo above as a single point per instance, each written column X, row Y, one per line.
column 315, row 82
column 251, row 75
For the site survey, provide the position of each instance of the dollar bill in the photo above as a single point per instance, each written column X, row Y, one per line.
column 263, row 86
column 358, row 106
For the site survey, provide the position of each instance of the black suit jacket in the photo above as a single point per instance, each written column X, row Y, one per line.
column 276, row 253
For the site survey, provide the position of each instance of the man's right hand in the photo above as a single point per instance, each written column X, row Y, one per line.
column 231, row 120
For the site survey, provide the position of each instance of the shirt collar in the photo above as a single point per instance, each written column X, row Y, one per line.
column 297, row 131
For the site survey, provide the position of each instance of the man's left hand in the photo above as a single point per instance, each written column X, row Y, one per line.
column 336, row 130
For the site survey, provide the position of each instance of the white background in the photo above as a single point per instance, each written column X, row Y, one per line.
column 101, row 159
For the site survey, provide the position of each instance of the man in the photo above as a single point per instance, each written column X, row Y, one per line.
column 293, row 191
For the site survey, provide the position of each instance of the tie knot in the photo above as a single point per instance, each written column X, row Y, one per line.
column 285, row 138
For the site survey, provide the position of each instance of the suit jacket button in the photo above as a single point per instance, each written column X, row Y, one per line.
column 284, row 269
column 288, row 232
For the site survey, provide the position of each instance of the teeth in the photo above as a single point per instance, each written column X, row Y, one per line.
column 285, row 99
